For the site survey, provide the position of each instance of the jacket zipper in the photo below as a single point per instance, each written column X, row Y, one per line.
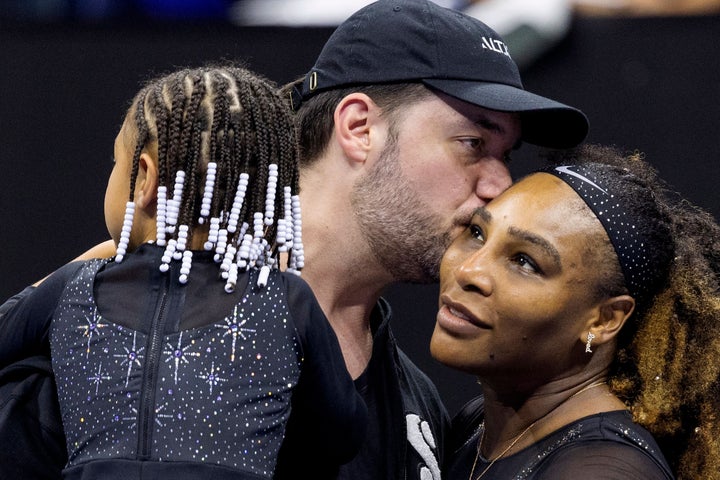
column 146, row 412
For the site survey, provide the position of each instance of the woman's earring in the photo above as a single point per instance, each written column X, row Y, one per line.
column 590, row 338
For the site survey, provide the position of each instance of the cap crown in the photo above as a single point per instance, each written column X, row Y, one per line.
column 409, row 40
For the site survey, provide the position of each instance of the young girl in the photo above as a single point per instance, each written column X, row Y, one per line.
column 182, row 356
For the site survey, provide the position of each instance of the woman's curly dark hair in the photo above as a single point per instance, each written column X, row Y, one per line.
column 667, row 368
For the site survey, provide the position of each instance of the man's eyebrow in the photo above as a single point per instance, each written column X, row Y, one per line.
column 483, row 214
column 539, row 241
column 489, row 124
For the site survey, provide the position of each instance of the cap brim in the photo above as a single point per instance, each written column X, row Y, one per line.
column 545, row 122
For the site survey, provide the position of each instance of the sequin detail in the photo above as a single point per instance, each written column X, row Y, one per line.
column 569, row 436
column 223, row 390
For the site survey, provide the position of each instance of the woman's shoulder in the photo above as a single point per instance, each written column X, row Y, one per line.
column 605, row 445
column 609, row 444
column 465, row 423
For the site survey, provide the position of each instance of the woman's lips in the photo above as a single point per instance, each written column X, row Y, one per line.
column 456, row 319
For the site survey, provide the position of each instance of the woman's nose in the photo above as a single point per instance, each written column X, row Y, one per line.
column 473, row 273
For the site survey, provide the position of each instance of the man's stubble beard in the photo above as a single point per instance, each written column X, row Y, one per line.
column 405, row 236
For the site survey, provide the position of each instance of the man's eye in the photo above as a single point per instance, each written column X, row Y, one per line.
column 475, row 143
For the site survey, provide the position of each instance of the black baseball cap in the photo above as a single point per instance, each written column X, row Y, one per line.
column 395, row 41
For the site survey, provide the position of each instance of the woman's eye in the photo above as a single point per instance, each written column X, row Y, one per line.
column 527, row 264
column 476, row 232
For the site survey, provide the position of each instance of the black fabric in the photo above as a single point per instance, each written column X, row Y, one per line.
column 31, row 434
column 381, row 394
column 402, row 402
column 333, row 411
column 606, row 445
column 121, row 469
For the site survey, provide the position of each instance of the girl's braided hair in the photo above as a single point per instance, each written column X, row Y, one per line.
column 216, row 125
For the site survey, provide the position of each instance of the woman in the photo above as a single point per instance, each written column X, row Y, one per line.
column 585, row 299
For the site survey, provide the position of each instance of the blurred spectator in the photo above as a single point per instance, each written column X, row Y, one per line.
column 529, row 27
column 535, row 20
column 306, row 12
column 95, row 11
column 184, row 9
column 647, row 7
column 47, row 11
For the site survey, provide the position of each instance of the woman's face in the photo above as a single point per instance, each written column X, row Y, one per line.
column 516, row 287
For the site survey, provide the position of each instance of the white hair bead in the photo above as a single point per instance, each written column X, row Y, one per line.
column 161, row 215
column 212, row 234
column 298, row 249
column 238, row 202
column 281, row 235
column 263, row 276
column 186, row 265
column 208, row 192
column 228, row 260
column 221, row 245
column 168, row 255
column 244, row 251
column 270, row 194
column 125, row 232
column 232, row 279
column 173, row 204
column 181, row 241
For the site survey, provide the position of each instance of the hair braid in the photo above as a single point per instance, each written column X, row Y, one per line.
column 234, row 119
column 194, row 125
column 288, row 149
column 223, row 138
column 157, row 105
column 142, row 136
column 260, row 140
column 176, row 89
column 245, row 120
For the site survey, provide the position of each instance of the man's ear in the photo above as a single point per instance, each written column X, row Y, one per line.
column 612, row 315
column 147, row 182
column 355, row 116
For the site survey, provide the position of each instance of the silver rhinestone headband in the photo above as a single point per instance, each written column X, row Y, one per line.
column 631, row 245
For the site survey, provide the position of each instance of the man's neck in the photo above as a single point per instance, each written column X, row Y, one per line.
column 347, row 297
column 340, row 267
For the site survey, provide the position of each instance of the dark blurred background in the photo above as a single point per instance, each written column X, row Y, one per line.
column 645, row 72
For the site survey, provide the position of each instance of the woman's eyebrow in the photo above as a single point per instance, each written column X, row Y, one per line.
column 530, row 237
column 524, row 235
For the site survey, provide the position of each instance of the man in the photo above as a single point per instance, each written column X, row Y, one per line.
column 406, row 120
